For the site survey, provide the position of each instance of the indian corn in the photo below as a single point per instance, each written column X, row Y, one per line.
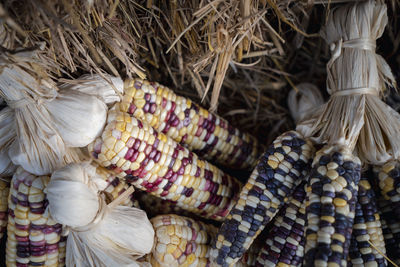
column 182, row 241
column 284, row 244
column 208, row 135
column 33, row 239
column 4, row 190
column 367, row 227
column 155, row 163
column 331, row 197
column 389, row 182
column 390, row 229
column 277, row 174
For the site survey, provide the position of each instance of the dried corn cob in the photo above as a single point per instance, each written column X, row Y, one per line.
column 153, row 162
column 33, row 239
column 182, row 241
column 389, row 182
column 4, row 190
column 208, row 135
column 367, row 227
column 390, row 229
column 331, row 196
column 284, row 244
column 279, row 171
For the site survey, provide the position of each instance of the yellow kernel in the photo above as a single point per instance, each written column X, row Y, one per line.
column 171, row 248
column 125, row 136
column 329, row 219
column 110, row 142
column 190, row 258
column 273, row 164
column 120, row 126
column 339, row 202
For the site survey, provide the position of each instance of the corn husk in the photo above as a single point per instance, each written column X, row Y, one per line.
column 355, row 116
column 50, row 123
column 7, row 137
column 99, row 234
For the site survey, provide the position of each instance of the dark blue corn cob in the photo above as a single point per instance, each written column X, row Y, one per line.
column 389, row 183
column 367, row 229
column 284, row 244
column 331, row 197
column 277, row 174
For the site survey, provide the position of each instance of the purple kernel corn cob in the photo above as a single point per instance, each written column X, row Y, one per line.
column 153, row 162
column 284, row 244
column 389, row 182
column 331, row 197
column 367, row 227
column 277, row 174
column 33, row 239
column 208, row 135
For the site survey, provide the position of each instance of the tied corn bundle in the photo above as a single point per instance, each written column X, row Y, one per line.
column 33, row 238
column 4, row 191
column 182, row 241
column 208, row 135
column 100, row 235
column 390, row 229
column 45, row 124
column 155, row 163
column 284, row 244
column 331, row 198
column 277, row 174
column 367, row 229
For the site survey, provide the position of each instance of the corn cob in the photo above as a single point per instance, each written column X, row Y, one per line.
column 279, row 171
column 4, row 190
column 389, row 182
column 284, row 244
column 182, row 241
column 390, row 229
column 367, row 227
column 155, row 163
column 331, row 197
column 33, row 239
column 208, row 135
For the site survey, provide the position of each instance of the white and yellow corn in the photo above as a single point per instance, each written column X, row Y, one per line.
column 153, row 162
column 206, row 134
column 4, row 191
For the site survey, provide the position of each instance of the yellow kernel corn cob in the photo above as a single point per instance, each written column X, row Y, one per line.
column 367, row 227
column 208, row 135
column 153, row 162
column 33, row 239
column 182, row 241
column 331, row 197
column 4, row 191
column 284, row 243
column 277, row 174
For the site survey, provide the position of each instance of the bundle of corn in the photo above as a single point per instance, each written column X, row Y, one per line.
column 367, row 229
column 182, row 241
column 284, row 244
column 153, row 162
column 208, row 135
column 33, row 238
column 100, row 234
column 275, row 177
column 4, row 191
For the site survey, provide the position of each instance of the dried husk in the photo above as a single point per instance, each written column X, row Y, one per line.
column 7, row 137
column 99, row 235
column 51, row 123
column 358, row 119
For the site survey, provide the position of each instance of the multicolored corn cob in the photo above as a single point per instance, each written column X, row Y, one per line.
column 208, row 135
column 277, row 174
column 182, row 241
column 367, row 228
column 155, row 163
column 4, row 191
column 331, row 198
column 390, row 229
column 389, row 182
column 284, row 244
column 33, row 239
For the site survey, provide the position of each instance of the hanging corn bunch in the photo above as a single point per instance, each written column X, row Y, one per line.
column 275, row 177
column 153, row 162
column 208, row 135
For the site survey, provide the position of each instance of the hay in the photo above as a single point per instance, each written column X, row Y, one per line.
column 240, row 56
